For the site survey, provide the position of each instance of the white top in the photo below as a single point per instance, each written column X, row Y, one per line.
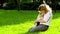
column 47, row 18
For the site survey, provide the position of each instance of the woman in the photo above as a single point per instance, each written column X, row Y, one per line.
column 43, row 20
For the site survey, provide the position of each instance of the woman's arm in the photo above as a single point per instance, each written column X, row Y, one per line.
column 42, row 21
column 45, row 19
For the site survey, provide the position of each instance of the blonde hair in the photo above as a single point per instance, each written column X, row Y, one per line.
column 44, row 7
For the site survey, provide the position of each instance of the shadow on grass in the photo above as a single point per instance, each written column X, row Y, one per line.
column 31, row 33
column 11, row 17
column 56, row 15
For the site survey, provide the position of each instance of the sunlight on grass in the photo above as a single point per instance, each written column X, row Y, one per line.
column 24, row 27
column 16, row 29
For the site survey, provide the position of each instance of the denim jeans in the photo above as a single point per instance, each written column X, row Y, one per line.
column 40, row 27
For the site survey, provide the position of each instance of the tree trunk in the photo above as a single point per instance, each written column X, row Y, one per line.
column 34, row 0
column 41, row 1
column 54, row 5
column 1, row 4
column 18, row 3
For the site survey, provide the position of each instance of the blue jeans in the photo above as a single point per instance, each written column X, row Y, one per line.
column 40, row 27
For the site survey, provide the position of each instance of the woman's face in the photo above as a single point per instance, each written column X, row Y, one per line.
column 43, row 11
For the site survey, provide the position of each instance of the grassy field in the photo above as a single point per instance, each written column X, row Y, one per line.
column 14, row 22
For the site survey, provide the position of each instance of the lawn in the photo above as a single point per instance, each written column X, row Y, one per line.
column 18, row 22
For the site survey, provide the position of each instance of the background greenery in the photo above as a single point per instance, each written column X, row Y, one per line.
column 29, row 4
column 14, row 22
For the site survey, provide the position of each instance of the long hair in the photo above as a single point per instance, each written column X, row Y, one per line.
column 44, row 7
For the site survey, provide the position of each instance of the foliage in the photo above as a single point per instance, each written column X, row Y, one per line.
column 10, row 6
column 31, row 4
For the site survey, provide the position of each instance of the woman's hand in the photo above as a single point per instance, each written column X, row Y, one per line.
column 42, row 18
column 36, row 21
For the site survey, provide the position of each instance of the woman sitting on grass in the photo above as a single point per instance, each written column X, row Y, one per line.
column 43, row 20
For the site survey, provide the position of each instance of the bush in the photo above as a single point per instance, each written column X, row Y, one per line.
column 29, row 6
column 10, row 6
column 23, row 6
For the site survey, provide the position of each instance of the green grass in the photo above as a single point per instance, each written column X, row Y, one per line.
column 14, row 22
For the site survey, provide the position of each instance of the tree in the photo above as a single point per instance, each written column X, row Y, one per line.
column 34, row 0
column 18, row 3
column 54, row 4
column 1, row 3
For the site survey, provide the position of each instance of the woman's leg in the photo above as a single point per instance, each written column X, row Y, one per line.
column 40, row 27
